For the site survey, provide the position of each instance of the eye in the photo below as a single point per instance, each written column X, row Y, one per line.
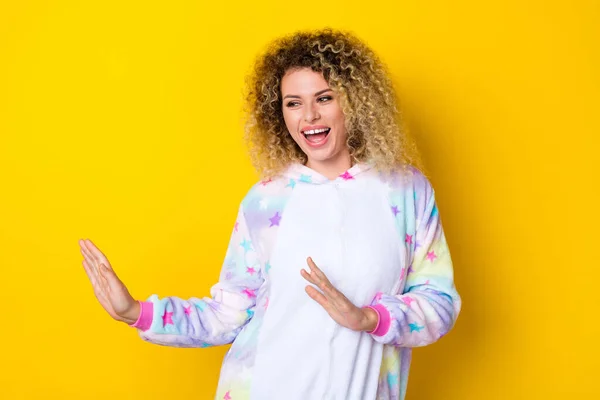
column 323, row 99
column 292, row 104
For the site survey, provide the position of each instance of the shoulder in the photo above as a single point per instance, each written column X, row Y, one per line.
column 264, row 192
column 406, row 178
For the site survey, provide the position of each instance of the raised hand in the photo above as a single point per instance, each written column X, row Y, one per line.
column 335, row 303
column 111, row 293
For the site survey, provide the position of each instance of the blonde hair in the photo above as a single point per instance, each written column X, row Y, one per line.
column 366, row 93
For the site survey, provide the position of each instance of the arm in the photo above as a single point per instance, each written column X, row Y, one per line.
column 429, row 304
column 215, row 320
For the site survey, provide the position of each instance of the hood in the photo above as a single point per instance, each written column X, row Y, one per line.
column 301, row 174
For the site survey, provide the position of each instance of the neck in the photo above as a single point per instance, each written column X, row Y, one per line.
column 331, row 169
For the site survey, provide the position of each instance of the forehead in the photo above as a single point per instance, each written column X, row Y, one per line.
column 302, row 81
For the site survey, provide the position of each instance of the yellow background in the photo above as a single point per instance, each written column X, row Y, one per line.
column 120, row 121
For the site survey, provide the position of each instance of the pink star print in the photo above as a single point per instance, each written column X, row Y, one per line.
column 395, row 210
column 167, row 318
column 378, row 296
column 408, row 239
column 275, row 219
column 266, row 182
column 407, row 300
column 227, row 396
column 235, row 227
column 250, row 270
column 249, row 292
column 346, row 176
column 431, row 256
column 188, row 310
column 267, row 303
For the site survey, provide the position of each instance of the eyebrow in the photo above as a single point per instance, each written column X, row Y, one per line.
column 320, row 92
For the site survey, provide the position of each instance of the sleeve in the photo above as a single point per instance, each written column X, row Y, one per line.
column 429, row 304
column 208, row 321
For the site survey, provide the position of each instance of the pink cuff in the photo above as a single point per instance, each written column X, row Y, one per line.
column 383, row 322
column 144, row 321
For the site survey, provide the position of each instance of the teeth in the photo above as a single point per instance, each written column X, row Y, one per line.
column 313, row 131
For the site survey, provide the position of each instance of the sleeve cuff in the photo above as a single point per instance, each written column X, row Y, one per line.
column 383, row 322
column 144, row 321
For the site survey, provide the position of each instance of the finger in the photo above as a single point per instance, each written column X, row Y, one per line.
column 317, row 272
column 91, row 263
column 85, row 251
column 110, row 278
column 96, row 253
column 318, row 297
column 115, row 284
column 309, row 277
column 89, row 272
column 84, row 248
column 328, row 289
column 105, row 278
column 321, row 280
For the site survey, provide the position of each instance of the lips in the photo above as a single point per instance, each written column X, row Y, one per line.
column 316, row 137
column 312, row 129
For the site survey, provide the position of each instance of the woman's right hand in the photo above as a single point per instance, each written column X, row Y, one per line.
column 108, row 288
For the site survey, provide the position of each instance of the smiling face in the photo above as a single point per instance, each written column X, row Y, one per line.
column 315, row 120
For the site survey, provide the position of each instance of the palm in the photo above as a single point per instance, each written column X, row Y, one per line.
column 111, row 293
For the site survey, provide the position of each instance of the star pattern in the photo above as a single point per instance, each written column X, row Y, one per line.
column 275, row 219
column 431, row 256
column 306, row 178
column 264, row 203
column 407, row 300
column 246, row 245
column 346, row 176
column 167, row 318
column 392, row 379
column 267, row 203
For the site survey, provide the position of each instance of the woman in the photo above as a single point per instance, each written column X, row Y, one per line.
column 345, row 200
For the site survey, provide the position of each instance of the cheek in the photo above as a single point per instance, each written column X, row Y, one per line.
column 287, row 118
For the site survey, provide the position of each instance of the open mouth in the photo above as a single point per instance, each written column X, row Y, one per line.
column 316, row 136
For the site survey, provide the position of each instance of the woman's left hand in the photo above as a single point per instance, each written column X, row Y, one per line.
column 336, row 304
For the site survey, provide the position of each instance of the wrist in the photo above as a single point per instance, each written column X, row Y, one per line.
column 132, row 314
column 371, row 320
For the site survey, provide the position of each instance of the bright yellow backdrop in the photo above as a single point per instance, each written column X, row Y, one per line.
column 120, row 121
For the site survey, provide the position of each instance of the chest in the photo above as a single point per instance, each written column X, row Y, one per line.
column 351, row 235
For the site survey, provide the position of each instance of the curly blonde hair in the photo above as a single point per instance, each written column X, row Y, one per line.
column 366, row 93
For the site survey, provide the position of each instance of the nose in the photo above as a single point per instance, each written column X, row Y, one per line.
column 311, row 114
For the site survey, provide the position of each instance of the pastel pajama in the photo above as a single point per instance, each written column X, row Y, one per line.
column 378, row 238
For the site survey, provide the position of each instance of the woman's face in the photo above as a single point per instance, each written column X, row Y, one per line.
column 314, row 118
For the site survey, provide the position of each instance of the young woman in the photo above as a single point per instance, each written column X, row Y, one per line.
column 337, row 264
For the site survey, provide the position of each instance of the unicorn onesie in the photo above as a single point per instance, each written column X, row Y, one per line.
column 379, row 240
